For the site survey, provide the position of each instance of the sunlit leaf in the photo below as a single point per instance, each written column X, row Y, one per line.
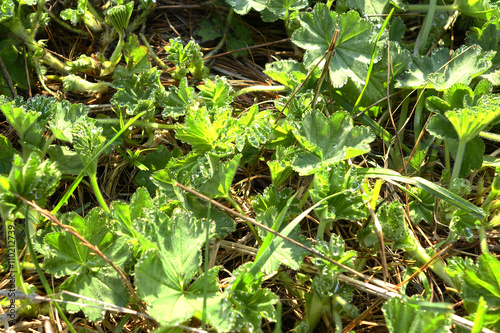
column 443, row 68
column 354, row 45
column 328, row 141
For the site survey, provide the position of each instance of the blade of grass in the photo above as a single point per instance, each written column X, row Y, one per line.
column 287, row 230
column 427, row 186
column 78, row 179
column 372, row 61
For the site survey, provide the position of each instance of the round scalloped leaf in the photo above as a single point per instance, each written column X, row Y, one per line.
column 354, row 45
column 442, row 70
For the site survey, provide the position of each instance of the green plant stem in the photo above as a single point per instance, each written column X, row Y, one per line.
column 68, row 27
column 402, row 118
column 314, row 308
column 458, row 160
column 152, row 53
column 490, row 136
column 229, row 18
column 418, row 252
column 92, row 19
column 418, row 119
column 338, row 321
column 35, row 23
column 423, row 35
column 253, row 89
column 141, row 123
column 18, row 30
column 277, row 327
column 42, row 278
column 425, row 8
column 320, row 234
column 495, row 191
column 97, row 192
column 483, row 238
column 77, row 181
column 117, row 53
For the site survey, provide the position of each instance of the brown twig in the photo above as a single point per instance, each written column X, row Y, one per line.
column 6, row 75
column 48, row 215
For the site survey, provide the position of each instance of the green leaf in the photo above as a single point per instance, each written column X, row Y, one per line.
column 154, row 161
column 485, row 282
column 216, row 93
column 7, row 153
column 13, row 60
column 291, row 74
column 242, row 7
column 422, row 207
column 277, row 9
column 367, row 8
column 417, row 316
column 248, row 304
column 142, row 91
column 354, row 45
column 89, row 274
column 164, row 278
column 398, row 61
column 280, row 164
column 391, row 216
column 253, row 127
column 488, row 37
column 268, row 206
column 75, row 15
column 442, row 70
column 328, row 141
column 210, row 30
column 442, row 128
column 342, row 180
column 238, row 35
column 179, row 100
column 137, row 59
column 482, row 9
column 200, row 209
column 119, row 16
column 473, row 157
column 186, row 59
column 65, row 115
column 28, row 124
column 205, row 133
column 68, row 161
column 33, row 180
column 88, row 142
column 220, row 177
column 334, row 249
column 469, row 122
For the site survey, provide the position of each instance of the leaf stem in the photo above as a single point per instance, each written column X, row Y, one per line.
column 425, row 8
column 490, row 136
column 257, row 89
column 419, row 109
column 97, row 192
column 423, row 35
column 140, row 123
column 458, row 160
